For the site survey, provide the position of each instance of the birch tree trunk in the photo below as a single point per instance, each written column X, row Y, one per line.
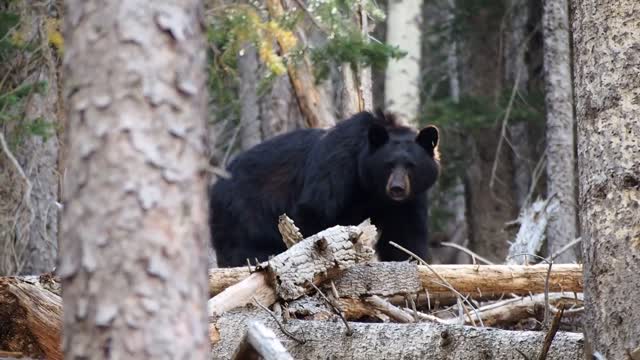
column 562, row 227
column 402, row 78
column 607, row 89
column 133, row 263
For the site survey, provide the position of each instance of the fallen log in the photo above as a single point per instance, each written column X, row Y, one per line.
column 387, row 279
column 289, row 275
column 327, row 340
column 30, row 317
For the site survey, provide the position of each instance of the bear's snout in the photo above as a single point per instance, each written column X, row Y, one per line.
column 398, row 185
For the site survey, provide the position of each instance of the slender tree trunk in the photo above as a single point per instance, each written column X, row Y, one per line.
column 562, row 227
column 607, row 88
column 250, row 130
column 402, row 78
column 133, row 263
column 517, row 75
column 488, row 209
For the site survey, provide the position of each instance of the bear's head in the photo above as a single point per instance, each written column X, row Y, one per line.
column 400, row 162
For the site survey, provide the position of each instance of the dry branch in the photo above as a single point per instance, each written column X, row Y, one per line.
column 320, row 257
column 30, row 317
column 260, row 343
column 393, row 341
column 511, row 311
column 533, row 226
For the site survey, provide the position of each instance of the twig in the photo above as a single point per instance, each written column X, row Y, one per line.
column 335, row 309
column 546, row 285
column 413, row 306
column 503, row 130
column 428, row 317
column 564, row 248
column 555, row 325
column 275, row 318
column 445, row 283
column 467, row 251
column 311, row 17
column 389, row 309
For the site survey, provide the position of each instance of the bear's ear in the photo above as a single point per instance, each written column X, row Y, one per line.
column 378, row 136
column 428, row 138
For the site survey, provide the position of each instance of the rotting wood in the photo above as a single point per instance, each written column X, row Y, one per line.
column 30, row 317
column 288, row 275
column 391, row 341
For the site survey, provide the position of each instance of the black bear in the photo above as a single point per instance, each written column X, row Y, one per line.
column 368, row 166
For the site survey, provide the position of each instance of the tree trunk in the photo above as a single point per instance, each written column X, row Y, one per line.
column 517, row 75
column 606, row 86
column 402, row 78
column 29, row 183
column 134, row 228
column 488, row 209
column 562, row 227
column 250, row 129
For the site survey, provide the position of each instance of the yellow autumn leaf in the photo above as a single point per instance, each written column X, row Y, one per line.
column 54, row 36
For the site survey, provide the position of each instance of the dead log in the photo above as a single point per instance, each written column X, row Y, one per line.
column 289, row 275
column 260, row 343
column 326, row 340
column 30, row 317
column 386, row 279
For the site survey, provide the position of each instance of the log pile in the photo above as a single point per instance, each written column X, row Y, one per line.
column 325, row 298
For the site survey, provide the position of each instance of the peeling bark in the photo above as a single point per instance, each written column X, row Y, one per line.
column 607, row 88
column 134, row 227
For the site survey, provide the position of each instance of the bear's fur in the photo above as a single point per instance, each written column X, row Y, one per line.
column 368, row 166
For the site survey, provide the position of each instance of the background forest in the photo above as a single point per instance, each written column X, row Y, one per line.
column 473, row 68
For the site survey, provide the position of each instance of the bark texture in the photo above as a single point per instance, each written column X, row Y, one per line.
column 561, row 160
column 134, row 227
column 607, row 88
column 327, row 340
column 402, row 78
